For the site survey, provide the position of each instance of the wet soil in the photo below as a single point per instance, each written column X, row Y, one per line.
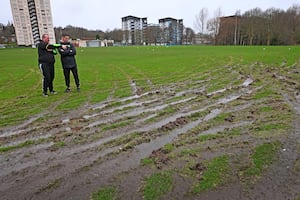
column 73, row 155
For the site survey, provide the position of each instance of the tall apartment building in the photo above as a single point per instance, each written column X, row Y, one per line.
column 171, row 31
column 134, row 30
column 32, row 19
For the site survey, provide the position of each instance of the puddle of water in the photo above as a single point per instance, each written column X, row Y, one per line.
column 182, row 101
column 16, row 130
column 144, row 149
column 11, row 133
column 99, row 107
column 65, row 121
column 212, row 114
column 228, row 99
column 90, row 116
column 157, row 143
column 136, row 96
column 132, row 104
column 216, row 92
column 247, row 82
column 155, row 125
column 18, row 166
column 134, row 112
column 135, row 104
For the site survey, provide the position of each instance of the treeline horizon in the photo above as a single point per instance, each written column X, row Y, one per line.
column 257, row 27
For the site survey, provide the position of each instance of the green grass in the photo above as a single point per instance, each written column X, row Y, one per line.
column 157, row 185
column 59, row 144
column 228, row 133
column 107, row 193
column 262, row 158
column 107, row 72
column 168, row 148
column 272, row 127
column 147, row 161
column 216, row 173
column 20, row 145
column 263, row 94
column 190, row 152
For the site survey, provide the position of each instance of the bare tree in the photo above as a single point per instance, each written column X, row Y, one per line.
column 256, row 27
column 270, row 24
column 252, row 24
column 201, row 20
column 293, row 22
column 213, row 25
column 236, row 26
column 188, row 35
column 6, row 33
column 152, row 34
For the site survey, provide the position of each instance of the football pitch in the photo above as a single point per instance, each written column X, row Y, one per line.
column 168, row 122
column 109, row 72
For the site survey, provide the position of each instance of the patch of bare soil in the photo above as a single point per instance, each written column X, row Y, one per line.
column 74, row 155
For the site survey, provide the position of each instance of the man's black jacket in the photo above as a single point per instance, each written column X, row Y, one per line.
column 45, row 52
column 68, row 55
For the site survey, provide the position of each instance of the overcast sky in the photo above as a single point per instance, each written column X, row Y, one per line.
column 104, row 15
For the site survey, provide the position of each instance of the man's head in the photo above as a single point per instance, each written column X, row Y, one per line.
column 65, row 37
column 45, row 38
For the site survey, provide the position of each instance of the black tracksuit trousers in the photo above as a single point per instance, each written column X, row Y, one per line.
column 75, row 75
column 47, row 70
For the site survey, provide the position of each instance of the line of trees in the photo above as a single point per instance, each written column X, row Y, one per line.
column 270, row 27
column 7, row 33
column 82, row 33
column 254, row 27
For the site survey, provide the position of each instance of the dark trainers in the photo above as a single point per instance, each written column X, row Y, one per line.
column 45, row 94
column 68, row 90
column 53, row 92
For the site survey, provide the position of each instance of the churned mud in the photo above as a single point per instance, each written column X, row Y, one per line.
column 73, row 155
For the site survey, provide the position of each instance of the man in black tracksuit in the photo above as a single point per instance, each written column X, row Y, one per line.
column 68, row 61
column 46, row 60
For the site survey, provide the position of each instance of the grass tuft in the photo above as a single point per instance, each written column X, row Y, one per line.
column 262, row 158
column 157, row 185
column 215, row 174
column 107, row 193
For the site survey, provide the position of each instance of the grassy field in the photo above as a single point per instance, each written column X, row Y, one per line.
column 108, row 72
column 179, row 122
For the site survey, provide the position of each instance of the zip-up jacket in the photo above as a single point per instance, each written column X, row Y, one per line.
column 46, row 52
column 67, row 55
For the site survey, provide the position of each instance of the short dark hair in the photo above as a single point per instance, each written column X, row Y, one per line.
column 65, row 34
